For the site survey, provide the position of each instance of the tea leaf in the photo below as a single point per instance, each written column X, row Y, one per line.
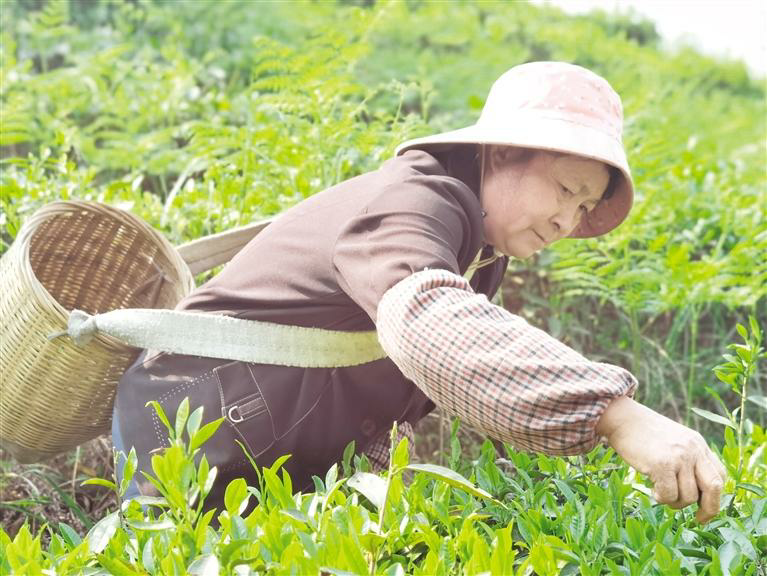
column 164, row 524
column 694, row 553
column 205, row 433
column 726, row 377
column 371, row 486
column 758, row 490
column 147, row 555
column 193, row 424
column 182, row 413
column 205, row 565
column 149, row 501
column 744, row 352
column 401, row 455
column 663, row 557
column 161, row 415
column 99, row 482
column 236, row 496
column 296, row 515
column 756, row 456
column 129, row 470
column 332, row 475
column 635, row 533
column 565, row 489
column 713, row 417
column 729, row 554
column 99, row 536
column 760, row 401
column 347, row 458
column 117, row 566
column 71, row 537
column 277, row 489
column 452, row 478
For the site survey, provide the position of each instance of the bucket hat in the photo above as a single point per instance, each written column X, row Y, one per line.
column 558, row 107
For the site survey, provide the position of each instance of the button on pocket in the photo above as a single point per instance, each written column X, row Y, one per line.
column 244, row 407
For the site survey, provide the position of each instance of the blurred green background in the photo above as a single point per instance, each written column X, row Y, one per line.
column 200, row 116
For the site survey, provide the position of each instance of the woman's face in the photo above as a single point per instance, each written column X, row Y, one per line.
column 534, row 198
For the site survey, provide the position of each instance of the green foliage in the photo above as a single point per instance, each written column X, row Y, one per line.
column 520, row 514
column 194, row 143
column 513, row 515
column 199, row 116
column 737, row 372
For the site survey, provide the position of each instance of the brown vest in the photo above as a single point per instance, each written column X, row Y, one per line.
column 324, row 263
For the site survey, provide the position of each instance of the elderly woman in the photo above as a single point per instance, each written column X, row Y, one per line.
column 414, row 251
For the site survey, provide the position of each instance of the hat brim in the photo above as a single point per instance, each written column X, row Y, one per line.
column 555, row 135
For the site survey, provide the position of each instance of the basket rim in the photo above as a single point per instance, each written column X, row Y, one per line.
column 59, row 207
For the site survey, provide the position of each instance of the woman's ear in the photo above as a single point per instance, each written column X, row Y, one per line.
column 497, row 156
column 504, row 156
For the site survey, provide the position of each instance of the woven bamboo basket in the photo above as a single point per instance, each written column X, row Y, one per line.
column 54, row 394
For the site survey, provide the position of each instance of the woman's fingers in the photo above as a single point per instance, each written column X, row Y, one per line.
column 711, row 479
column 688, row 487
column 665, row 486
column 699, row 478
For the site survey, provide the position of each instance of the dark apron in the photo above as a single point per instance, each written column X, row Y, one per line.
column 311, row 414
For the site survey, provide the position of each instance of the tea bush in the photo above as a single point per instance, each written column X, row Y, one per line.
column 200, row 116
column 522, row 514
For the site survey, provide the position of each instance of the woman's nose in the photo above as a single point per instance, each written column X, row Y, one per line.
column 566, row 218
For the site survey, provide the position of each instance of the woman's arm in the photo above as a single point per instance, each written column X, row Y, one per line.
column 491, row 368
column 517, row 384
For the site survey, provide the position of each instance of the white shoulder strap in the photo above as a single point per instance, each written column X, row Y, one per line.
column 215, row 336
column 206, row 253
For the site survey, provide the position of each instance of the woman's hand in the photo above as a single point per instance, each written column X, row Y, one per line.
column 676, row 459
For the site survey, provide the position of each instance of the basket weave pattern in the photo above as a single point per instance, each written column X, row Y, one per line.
column 54, row 394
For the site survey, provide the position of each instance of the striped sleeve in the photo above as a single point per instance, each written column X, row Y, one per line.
column 492, row 369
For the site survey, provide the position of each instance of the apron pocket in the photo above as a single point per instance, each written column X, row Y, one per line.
column 244, row 407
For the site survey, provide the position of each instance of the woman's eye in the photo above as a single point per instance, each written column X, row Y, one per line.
column 567, row 191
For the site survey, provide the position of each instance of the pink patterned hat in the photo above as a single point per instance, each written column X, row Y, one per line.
column 559, row 107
